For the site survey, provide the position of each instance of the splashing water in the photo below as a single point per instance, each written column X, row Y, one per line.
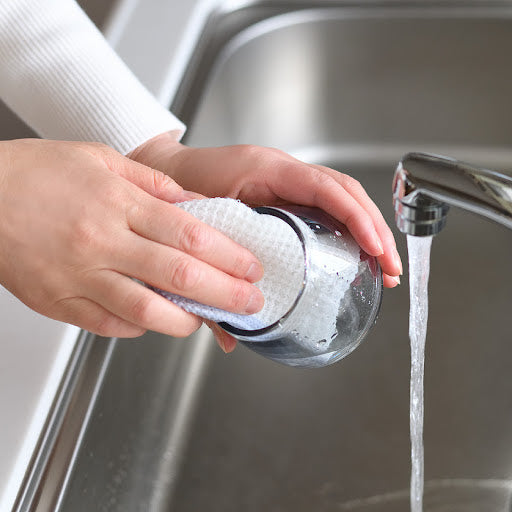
column 419, row 269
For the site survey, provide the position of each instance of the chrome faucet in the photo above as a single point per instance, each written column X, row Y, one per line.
column 426, row 185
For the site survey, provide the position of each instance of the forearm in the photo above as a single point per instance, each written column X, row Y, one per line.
column 60, row 76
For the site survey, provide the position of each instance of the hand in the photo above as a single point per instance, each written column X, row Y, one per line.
column 264, row 176
column 79, row 220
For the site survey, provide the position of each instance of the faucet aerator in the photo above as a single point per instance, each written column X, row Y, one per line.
column 425, row 218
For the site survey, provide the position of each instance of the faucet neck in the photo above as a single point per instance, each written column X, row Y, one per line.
column 426, row 185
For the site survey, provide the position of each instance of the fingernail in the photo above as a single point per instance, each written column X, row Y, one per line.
column 186, row 195
column 397, row 260
column 221, row 344
column 255, row 303
column 378, row 243
column 218, row 337
column 396, row 279
column 255, row 273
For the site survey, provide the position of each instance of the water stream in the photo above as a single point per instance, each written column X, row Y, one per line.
column 419, row 269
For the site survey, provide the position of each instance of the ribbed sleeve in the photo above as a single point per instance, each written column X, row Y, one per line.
column 58, row 73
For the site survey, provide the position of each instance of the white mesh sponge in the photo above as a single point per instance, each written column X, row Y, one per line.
column 271, row 240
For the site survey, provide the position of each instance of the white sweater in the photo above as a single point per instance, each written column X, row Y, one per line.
column 58, row 73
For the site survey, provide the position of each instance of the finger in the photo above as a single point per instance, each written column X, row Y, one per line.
column 140, row 306
column 390, row 260
column 390, row 281
column 225, row 341
column 92, row 317
column 301, row 184
column 177, row 272
column 169, row 225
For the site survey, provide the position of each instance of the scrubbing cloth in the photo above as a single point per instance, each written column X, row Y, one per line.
column 271, row 240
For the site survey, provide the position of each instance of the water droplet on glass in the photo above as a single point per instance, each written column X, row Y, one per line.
column 320, row 344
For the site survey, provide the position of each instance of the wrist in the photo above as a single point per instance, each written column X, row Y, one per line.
column 5, row 160
column 157, row 151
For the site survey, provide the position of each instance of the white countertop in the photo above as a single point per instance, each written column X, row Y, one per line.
column 34, row 353
column 155, row 38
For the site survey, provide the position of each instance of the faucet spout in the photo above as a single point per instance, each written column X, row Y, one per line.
column 425, row 185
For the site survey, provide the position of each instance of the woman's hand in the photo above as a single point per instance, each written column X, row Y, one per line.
column 264, row 176
column 79, row 220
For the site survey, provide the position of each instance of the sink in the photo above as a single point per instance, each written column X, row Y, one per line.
column 355, row 89
column 178, row 425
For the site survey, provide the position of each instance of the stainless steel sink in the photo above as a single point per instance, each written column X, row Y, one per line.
column 178, row 425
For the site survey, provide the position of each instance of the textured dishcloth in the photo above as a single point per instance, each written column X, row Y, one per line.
column 271, row 240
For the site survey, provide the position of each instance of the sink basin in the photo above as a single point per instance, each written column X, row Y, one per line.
column 353, row 88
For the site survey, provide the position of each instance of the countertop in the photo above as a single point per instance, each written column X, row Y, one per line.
column 155, row 39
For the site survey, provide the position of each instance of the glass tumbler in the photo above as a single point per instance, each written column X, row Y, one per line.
column 292, row 340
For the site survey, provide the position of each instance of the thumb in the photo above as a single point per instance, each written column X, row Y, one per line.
column 156, row 183
column 150, row 180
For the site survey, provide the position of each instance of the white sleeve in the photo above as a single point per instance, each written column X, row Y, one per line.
column 59, row 74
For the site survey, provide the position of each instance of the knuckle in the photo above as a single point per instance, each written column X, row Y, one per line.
column 41, row 300
column 96, row 150
column 134, row 210
column 139, row 310
column 351, row 184
column 99, row 146
column 358, row 219
column 323, row 178
column 241, row 264
column 161, row 182
column 259, row 156
column 111, row 326
column 109, row 155
column 106, row 325
column 187, row 328
column 132, row 332
column 85, row 235
column 276, row 152
column 195, row 238
column 323, row 181
column 250, row 150
column 110, row 199
column 291, row 167
column 351, row 219
column 255, row 150
column 266, row 155
column 184, row 275
column 113, row 191
column 238, row 297
column 94, row 144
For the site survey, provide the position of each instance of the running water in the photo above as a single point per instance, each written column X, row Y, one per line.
column 419, row 269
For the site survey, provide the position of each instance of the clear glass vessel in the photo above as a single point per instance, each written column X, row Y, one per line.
column 292, row 340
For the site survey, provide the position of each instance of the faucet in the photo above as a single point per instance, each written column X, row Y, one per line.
column 425, row 185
